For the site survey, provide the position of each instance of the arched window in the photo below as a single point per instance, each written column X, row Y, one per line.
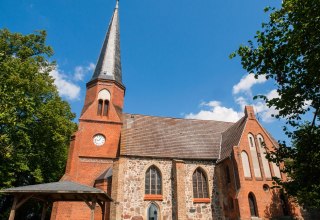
column 200, row 184
column 153, row 212
column 103, row 102
column 153, row 181
column 253, row 205
column 105, row 107
column 276, row 170
column 245, row 164
column 100, row 102
column 254, row 156
column 265, row 162
column 228, row 179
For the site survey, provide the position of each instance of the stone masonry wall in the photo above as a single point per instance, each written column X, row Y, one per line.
column 197, row 211
column 134, row 206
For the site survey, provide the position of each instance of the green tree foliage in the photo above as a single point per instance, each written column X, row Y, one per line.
column 287, row 51
column 35, row 124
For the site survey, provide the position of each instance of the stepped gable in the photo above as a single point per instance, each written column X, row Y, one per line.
column 162, row 137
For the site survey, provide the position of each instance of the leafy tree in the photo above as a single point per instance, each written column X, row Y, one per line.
column 287, row 51
column 35, row 123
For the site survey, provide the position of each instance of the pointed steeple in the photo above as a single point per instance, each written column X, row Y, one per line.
column 109, row 62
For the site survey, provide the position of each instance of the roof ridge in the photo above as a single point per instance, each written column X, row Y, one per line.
column 234, row 124
column 170, row 117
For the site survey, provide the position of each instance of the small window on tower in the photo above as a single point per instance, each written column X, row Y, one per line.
column 100, row 102
column 103, row 102
column 105, row 107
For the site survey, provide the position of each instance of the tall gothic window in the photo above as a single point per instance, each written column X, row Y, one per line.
column 200, row 184
column 253, row 205
column 265, row 162
column 153, row 181
column 254, row 156
column 245, row 164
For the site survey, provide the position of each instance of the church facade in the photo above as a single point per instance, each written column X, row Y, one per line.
column 167, row 168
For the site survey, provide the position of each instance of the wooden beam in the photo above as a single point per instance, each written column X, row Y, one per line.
column 17, row 202
column 23, row 200
column 44, row 210
column 91, row 205
column 13, row 208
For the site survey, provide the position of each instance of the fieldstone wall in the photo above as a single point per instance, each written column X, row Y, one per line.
column 197, row 211
column 134, row 207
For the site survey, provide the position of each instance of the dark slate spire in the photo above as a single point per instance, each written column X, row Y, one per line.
column 109, row 63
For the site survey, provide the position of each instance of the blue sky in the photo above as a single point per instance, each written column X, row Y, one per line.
column 174, row 53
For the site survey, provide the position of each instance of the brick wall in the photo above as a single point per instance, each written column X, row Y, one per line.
column 268, row 201
column 87, row 161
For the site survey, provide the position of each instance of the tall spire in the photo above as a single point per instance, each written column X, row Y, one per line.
column 109, row 62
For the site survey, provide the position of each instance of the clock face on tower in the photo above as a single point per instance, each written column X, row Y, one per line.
column 99, row 139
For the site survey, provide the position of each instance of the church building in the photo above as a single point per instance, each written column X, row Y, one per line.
column 163, row 168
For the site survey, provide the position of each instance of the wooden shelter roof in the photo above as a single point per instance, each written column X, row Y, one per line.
column 60, row 191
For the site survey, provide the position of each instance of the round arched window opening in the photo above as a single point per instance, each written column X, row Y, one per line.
column 103, row 102
column 266, row 188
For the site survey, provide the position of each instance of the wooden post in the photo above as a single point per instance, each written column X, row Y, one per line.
column 103, row 207
column 93, row 205
column 17, row 202
column 44, row 210
column 13, row 208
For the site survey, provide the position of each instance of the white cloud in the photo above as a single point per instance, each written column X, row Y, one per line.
column 65, row 87
column 262, row 111
column 216, row 112
column 246, row 83
column 81, row 71
column 272, row 94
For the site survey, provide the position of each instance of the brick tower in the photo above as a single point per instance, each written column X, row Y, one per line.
column 94, row 147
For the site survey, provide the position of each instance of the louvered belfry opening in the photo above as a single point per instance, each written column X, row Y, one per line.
column 153, row 181
column 200, row 186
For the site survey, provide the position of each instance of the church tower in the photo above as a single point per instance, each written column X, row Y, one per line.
column 100, row 123
column 95, row 146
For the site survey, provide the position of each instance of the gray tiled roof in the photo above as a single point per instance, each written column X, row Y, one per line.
column 109, row 62
column 106, row 174
column 151, row 136
column 231, row 138
column 63, row 186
